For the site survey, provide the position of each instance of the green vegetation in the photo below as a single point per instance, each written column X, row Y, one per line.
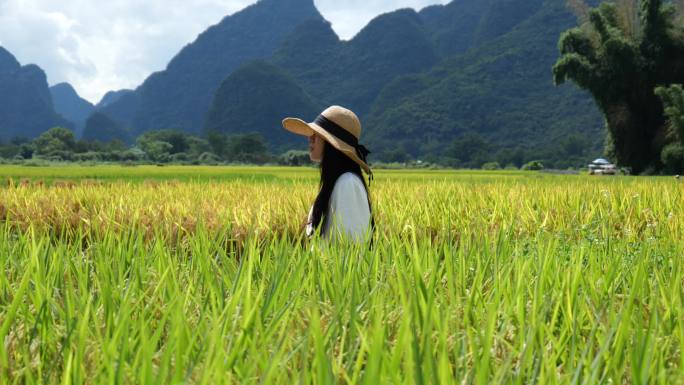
column 452, row 85
column 58, row 145
column 162, row 146
column 181, row 95
column 456, row 85
column 353, row 73
column 422, row 83
column 71, row 106
column 672, row 155
column 148, row 173
column 102, row 128
column 255, row 99
column 499, row 91
column 622, row 51
column 495, row 277
column 534, row 165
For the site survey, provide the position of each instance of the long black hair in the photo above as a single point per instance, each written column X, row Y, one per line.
column 333, row 165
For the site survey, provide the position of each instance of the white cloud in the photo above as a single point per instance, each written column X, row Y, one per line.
column 101, row 46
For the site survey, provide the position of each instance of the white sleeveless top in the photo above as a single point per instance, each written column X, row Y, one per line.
column 348, row 212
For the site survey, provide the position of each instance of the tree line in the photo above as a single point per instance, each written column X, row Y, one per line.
column 159, row 146
column 174, row 146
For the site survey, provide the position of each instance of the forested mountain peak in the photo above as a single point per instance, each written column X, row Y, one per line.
column 65, row 89
column 384, row 25
column 69, row 104
column 255, row 99
column 26, row 108
column 7, row 61
column 311, row 37
column 180, row 96
column 111, row 97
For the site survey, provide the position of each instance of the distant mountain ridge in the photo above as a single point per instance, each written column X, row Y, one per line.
column 26, row 108
column 8, row 63
column 181, row 95
column 111, row 97
column 461, row 25
column 418, row 79
column 69, row 104
column 352, row 73
column 501, row 90
column 332, row 71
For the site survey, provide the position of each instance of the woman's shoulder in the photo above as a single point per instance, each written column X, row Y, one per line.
column 349, row 200
column 349, row 180
column 348, row 188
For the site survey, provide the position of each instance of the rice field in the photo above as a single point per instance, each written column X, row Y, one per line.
column 201, row 275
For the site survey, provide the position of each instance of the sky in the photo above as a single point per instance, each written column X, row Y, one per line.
column 99, row 46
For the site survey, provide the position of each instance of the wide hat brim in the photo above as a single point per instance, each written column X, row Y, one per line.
column 300, row 127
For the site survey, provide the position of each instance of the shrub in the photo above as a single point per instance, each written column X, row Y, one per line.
column 134, row 154
column 294, row 158
column 534, row 165
column 180, row 157
column 673, row 158
column 90, row 156
column 209, row 158
column 491, row 166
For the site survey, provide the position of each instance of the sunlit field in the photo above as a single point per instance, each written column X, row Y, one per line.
column 201, row 275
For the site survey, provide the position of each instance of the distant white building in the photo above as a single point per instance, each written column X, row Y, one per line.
column 601, row 166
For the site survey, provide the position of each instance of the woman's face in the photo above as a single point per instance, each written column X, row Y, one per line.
column 316, row 145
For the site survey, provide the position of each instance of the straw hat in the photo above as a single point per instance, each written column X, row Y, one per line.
column 338, row 126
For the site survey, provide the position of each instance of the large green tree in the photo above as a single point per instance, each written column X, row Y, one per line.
column 620, row 53
column 55, row 141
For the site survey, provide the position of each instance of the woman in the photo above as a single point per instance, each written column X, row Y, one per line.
column 342, row 208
